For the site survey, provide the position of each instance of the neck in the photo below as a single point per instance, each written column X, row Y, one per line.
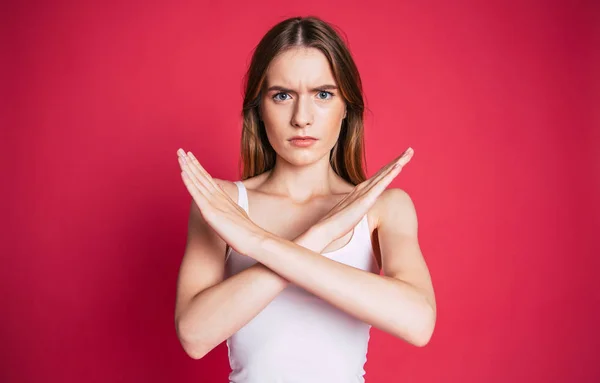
column 301, row 183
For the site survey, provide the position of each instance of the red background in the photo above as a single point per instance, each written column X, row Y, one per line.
column 499, row 101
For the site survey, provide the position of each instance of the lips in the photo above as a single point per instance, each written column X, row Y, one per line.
column 302, row 141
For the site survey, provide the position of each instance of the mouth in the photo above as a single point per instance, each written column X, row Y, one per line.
column 302, row 141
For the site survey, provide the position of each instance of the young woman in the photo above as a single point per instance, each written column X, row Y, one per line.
column 285, row 263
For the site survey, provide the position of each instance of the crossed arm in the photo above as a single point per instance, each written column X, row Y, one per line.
column 401, row 302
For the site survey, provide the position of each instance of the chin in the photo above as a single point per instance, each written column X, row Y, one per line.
column 304, row 158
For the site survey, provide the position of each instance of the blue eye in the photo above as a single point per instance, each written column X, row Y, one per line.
column 326, row 94
column 277, row 98
column 322, row 95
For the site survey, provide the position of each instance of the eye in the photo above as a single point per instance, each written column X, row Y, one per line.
column 323, row 95
column 277, row 98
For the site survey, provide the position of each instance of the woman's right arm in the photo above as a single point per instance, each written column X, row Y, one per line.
column 209, row 309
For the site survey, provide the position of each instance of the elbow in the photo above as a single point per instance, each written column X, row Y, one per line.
column 422, row 330
column 193, row 351
column 426, row 329
column 422, row 339
column 191, row 342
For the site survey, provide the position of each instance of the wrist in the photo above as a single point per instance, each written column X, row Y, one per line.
column 258, row 248
column 316, row 238
column 256, row 244
column 270, row 274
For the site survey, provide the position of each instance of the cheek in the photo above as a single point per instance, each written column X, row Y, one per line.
column 274, row 116
column 274, row 131
column 333, row 121
column 334, row 113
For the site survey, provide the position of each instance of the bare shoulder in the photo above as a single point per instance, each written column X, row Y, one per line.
column 395, row 206
column 394, row 196
column 231, row 188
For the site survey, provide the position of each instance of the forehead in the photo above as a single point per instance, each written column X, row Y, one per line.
column 299, row 67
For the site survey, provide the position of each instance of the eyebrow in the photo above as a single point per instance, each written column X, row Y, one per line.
column 283, row 89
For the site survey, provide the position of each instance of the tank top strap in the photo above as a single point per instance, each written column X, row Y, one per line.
column 242, row 201
column 242, row 195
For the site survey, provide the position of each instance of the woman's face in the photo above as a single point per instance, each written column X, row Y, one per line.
column 301, row 99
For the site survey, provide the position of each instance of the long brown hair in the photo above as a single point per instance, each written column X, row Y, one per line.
column 347, row 157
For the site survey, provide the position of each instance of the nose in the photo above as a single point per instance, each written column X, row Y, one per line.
column 303, row 114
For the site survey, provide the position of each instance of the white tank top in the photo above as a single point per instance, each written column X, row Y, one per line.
column 298, row 337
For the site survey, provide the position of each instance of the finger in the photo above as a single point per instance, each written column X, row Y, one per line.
column 402, row 159
column 216, row 186
column 387, row 179
column 405, row 158
column 398, row 161
column 394, row 170
column 392, row 163
column 192, row 188
column 383, row 180
column 373, row 191
column 185, row 167
column 220, row 184
column 197, row 166
column 197, row 169
column 195, row 172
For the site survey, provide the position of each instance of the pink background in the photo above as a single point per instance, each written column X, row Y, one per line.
column 499, row 101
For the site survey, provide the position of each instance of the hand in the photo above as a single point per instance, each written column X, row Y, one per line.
column 224, row 215
column 349, row 211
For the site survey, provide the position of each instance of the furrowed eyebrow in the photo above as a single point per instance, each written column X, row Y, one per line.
column 283, row 89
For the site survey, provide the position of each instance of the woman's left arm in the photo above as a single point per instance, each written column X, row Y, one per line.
column 401, row 302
